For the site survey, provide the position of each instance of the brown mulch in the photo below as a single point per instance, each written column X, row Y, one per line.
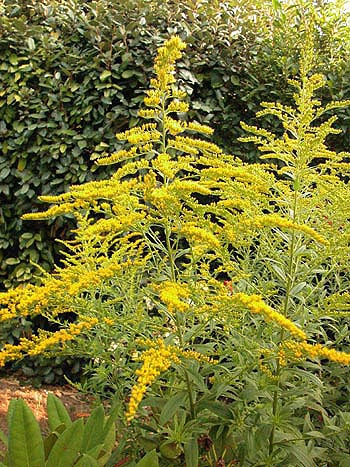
column 77, row 404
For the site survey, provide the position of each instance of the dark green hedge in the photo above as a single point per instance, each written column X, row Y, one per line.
column 72, row 74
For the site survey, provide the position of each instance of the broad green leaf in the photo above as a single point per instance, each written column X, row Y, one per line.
column 93, row 431
column 108, row 445
column 172, row 405
column 57, row 413
column 25, row 442
column 301, row 454
column 150, row 460
column 86, row 461
column 67, row 447
column 13, row 59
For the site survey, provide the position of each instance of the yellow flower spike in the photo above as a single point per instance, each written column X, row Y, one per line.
column 156, row 360
column 255, row 304
column 197, row 127
column 65, row 208
column 199, row 237
column 164, row 63
column 274, row 220
column 173, row 295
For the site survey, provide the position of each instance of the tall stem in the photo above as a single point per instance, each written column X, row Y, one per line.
column 289, row 285
column 177, row 319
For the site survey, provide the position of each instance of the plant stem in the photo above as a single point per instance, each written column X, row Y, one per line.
column 177, row 319
column 289, row 285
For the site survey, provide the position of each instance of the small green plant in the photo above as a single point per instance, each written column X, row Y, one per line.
column 69, row 443
column 84, row 443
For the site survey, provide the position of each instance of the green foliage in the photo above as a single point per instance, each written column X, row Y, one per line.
column 209, row 293
column 71, row 76
column 78, row 443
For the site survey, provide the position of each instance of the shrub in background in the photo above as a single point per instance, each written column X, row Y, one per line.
column 169, row 265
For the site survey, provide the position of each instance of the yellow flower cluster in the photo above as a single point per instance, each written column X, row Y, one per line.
column 178, row 106
column 197, row 127
column 156, row 360
column 172, row 295
column 174, row 127
column 118, row 156
column 318, row 350
column 153, row 98
column 274, row 220
column 204, row 146
column 200, row 237
column 164, row 201
column 255, row 304
column 42, row 343
column 164, row 63
column 64, row 208
column 148, row 113
column 165, row 165
column 39, row 344
column 114, row 225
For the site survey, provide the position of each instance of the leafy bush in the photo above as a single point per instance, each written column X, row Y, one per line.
column 72, row 73
column 227, row 281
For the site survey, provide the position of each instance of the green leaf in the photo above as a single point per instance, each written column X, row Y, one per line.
column 150, row 460
column 86, row 461
column 104, row 75
column 191, row 453
column 13, row 59
column 301, row 454
column 57, row 413
column 25, row 442
column 31, row 43
column 3, row 438
column 171, row 406
column 127, row 74
column 67, row 447
column 93, row 431
column 108, row 445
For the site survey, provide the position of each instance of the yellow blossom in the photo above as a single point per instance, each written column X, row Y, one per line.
column 194, row 126
column 255, row 304
column 173, row 295
column 156, row 360
column 200, row 237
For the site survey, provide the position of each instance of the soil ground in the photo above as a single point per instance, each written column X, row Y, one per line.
column 77, row 404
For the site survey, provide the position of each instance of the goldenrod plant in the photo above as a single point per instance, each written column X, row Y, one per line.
column 218, row 276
